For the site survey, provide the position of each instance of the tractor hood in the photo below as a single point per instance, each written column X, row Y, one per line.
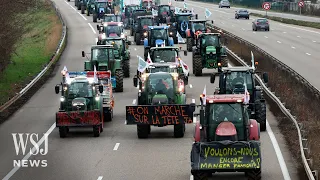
column 160, row 99
column 79, row 104
column 226, row 129
column 159, row 42
column 103, row 66
column 211, row 49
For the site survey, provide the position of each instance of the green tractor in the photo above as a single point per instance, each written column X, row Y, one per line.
column 240, row 80
column 208, row 53
column 80, row 103
column 90, row 7
column 121, row 47
column 100, row 9
column 160, row 91
column 225, row 138
column 104, row 58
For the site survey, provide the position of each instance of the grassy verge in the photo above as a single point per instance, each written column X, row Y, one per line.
column 33, row 51
column 290, row 21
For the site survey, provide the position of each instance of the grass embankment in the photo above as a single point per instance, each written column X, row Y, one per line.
column 289, row 21
column 32, row 52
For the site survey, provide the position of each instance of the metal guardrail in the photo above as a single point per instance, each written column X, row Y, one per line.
column 54, row 57
column 304, row 149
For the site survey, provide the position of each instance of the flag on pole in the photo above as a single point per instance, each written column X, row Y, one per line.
column 204, row 95
column 154, row 12
column 185, row 68
column 65, row 73
column 180, row 39
column 142, row 64
column 192, row 11
column 95, row 77
column 169, row 2
column 247, row 94
column 149, row 5
column 176, row 10
column 149, row 61
column 252, row 59
column 207, row 13
column 185, row 5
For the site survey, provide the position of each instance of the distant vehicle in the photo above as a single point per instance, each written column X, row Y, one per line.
column 260, row 23
column 241, row 13
column 224, row 3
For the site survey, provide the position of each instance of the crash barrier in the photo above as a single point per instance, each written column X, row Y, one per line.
column 275, row 67
column 53, row 59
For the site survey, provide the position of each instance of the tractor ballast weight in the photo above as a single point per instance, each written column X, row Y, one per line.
column 225, row 139
column 208, row 53
column 232, row 80
column 140, row 30
column 104, row 58
column 196, row 27
column 153, row 98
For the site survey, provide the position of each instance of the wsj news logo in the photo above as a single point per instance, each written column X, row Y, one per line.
column 21, row 140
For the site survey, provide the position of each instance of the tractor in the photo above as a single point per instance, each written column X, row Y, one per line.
column 80, row 103
column 225, row 138
column 100, row 8
column 157, row 36
column 121, row 49
column 157, row 92
column 127, row 14
column 90, row 7
column 140, row 28
column 146, row 4
column 208, row 53
column 104, row 58
column 232, row 80
column 110, row 18
column 135, row 15
column 181, row 22
column 164, row 13
column 83, row 5
column 110, row 29
column 196, row 27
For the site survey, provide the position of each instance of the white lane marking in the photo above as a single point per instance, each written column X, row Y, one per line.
column 279, row 42
column 70, row 6
column 298, row 36
column 135, row 49
column 284, row 32
column 92, row 28
column 293, row 47
column 276, row 147
column 300, row 29
column 194, row 119
column 116, row 146
column 314, row 41
column 134, row 101
column 100, row 177
column 15, row 169
column 266, row 37
column 76, row 10
column 191, row 177
column 308, row 54
column 193, row 101
column 190, row 85
column 82, row 16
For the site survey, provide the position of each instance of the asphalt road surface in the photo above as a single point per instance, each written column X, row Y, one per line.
column 296, row 46
column 117, row 154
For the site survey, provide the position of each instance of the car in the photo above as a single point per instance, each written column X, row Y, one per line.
column 224, row 3
column 241, row 13
column 261, row 23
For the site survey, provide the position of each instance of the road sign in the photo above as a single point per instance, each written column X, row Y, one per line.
column 266, row 6
column 301, row 4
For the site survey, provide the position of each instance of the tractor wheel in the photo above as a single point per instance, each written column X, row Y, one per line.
column 108, row 115
column 95, row 17
column 254, row 175
column 189, row 44
column 175, row 40
column 63, row 131
column 200, row 176
column 126, row 68
column 261, row 117
column 137, row 38
column 197, row 65
column 79, row 6
column 119, row 81
column 96, row 131
column 131, row 31
column 82, row 9
column 88, row 12
column 179, row 130
column 143, row 131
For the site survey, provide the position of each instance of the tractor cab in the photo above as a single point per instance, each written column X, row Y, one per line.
column 110, row 18
column 158, row 36
column 181, row 22
column 111, row 29
column 102, row 57
column 140, row 28
column 198, row 25
column 164, row 11
column 128, row 10
column 100, row 9
column 147, row 4
column 120, row 45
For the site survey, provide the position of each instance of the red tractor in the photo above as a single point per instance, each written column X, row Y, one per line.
column 225, row 139
column 196, row 27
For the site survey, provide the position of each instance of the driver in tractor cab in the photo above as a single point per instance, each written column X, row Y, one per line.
column 158, row 35
column 223, row 113
column 161, row 86
column 237, row 80
column 83, row 91
column 198, row 27
column 102, row 55
column 210, row 41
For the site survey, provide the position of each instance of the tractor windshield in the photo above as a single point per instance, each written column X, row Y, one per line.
column 145, row 22
column 164, row 9
column 160, row 34
column 80, row 89
column 183, row 18
column 113, row 30
column 145, row 4
column 110, row 19
column 102, row 54
column 235, row 81
column 161, row 83
column 199, row 26
column 210, row 41
column 131, row 8
column 225, row 112
column 166, row 55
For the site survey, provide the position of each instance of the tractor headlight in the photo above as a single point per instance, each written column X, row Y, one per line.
column 145, row 34
column 97, row 98
column 170, row 33
column 62, row 99
column 219, row 64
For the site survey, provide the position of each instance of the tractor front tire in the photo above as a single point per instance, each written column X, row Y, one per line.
column 254, row 174
column 197, row 65
column 189, row 44
column 119, row 81
column 95, row 17
column 143, row 131
column 63, row 131
column 96, row 131
column 137, row 38
column 82, row 9
column 261, row 117
column 200, row 176
column 179, row 130
column 126, row 68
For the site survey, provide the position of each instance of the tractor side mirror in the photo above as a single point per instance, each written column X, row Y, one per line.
column 265, row 77
column 100, row 88
column 83, row 54
column 186, row 80
column 212, row 78
column 185, row 53
column 135, row 81
column 196, row 16
column 57, row 89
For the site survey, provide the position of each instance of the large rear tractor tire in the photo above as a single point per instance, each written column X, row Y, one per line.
column 189, row 44
column 143, row 131
column 261, row 116
column 108, row 115
column 95, row 17
column 119, row 81
column 254, row 175
column 126, row 68
column 82, row 9
column 63, row 131
column 197, row 65
column 96, row 131
column 137, row 38
column 179, row 130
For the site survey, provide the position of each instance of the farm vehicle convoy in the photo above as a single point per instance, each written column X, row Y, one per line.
column 227, row 132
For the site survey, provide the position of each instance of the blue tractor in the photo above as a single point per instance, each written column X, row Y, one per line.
column 180, row 22
column 157, row 36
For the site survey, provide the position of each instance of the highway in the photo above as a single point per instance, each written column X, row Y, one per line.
column 117, row 154
column 296, row 46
